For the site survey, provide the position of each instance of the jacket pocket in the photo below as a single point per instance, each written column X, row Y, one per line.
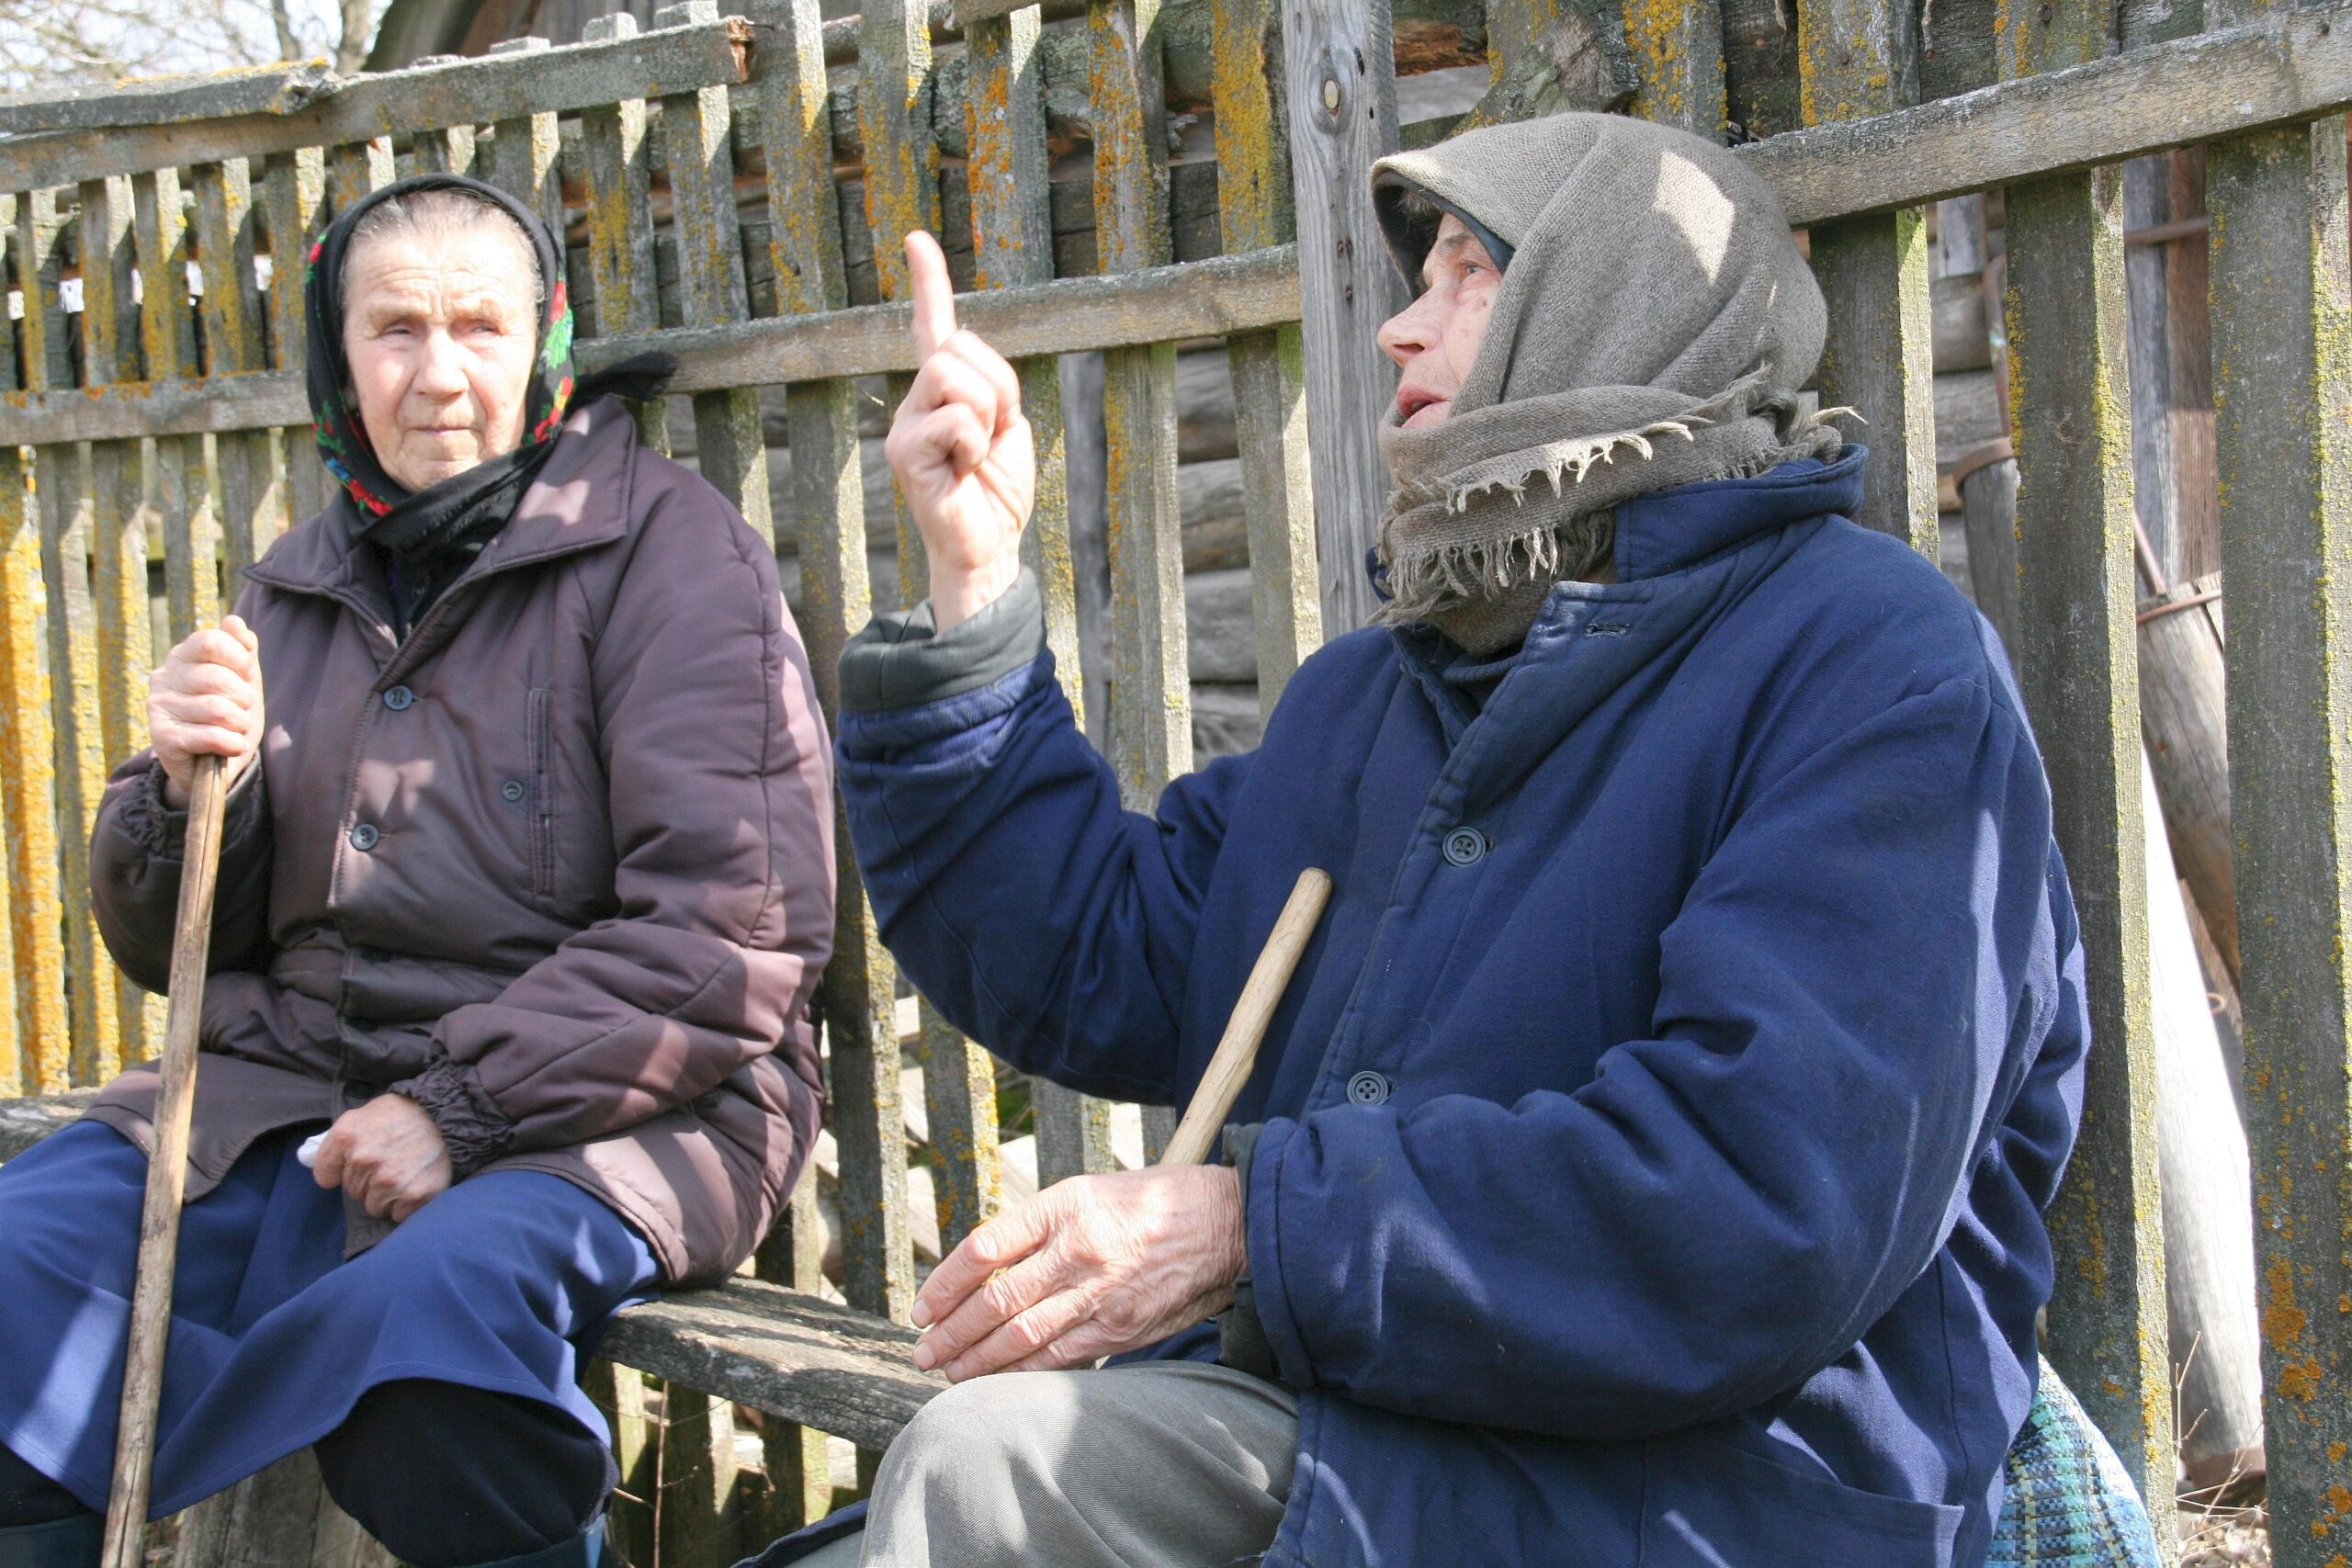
column 540, row 728
column 1708, row 1505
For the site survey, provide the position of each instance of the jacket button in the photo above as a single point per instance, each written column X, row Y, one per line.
column 364, row 837
column 1465, row 846
column 399, row 699
column 512, row 789
column 1367, row 1089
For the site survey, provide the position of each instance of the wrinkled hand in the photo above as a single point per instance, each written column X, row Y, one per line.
column 389, row 1154
column 205, row 702
column 961, row 450
column 1090, row 1267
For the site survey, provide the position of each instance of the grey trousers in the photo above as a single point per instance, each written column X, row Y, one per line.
column 1170, row 1465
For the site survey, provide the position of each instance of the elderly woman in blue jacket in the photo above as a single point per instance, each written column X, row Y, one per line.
column 1647, row 1164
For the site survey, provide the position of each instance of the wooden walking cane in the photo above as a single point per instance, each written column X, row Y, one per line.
column 1237, row 1053
column 159, row 1223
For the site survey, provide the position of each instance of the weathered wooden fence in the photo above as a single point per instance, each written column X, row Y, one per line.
column 1121, row 177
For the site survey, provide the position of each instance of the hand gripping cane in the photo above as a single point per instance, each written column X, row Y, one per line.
column 159, row 1223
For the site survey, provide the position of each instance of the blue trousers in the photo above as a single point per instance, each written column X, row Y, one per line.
column 437, row 1371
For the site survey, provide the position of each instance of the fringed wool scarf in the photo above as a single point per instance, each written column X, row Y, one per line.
column 1655, row 322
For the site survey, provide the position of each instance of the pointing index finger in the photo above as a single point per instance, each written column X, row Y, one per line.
column 934, row 297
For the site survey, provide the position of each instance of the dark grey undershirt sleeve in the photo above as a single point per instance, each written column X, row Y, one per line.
column 1242, row 1334
column 900, row 660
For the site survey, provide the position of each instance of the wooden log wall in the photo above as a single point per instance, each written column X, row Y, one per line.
column 733, row 191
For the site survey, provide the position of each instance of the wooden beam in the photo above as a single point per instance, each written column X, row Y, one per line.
column 274, row 90
column 835, row 1367
column 2173, row 95
column 471, row 91
column 1209, row 299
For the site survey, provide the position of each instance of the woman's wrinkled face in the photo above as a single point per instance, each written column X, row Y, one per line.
column 439, row 334
column 1436, row 339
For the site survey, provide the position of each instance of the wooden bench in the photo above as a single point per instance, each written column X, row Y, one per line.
column 785, row 1353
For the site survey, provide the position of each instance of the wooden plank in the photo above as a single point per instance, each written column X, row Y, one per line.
column 453, row 151
column 178, row 489
column 293, row 187
column 471, row 92
column 1339, row 67
column 1860, row 58
column 2229, row 82
column 2080, row 679
column 796, row 1356
column 1151, row 694
column 619, row 1392
column 28, row 802
column 77, row 764
column 729, row 450
column 523, row 149
column 115, row 496
column 79, row 772
column 1209, row 299
column 1255, row 210
column 1011, row 245
column 1678, row 49
column 356, row 168
column 281, row 89
column 618, row 164
column 693, row 1521
column 799, row 1470
column 252, row 504
column 868, row 1110
column 2281, row 277
column 26, row 1122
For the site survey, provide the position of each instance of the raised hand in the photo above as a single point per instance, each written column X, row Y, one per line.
column 205, row 701
column 961, row 450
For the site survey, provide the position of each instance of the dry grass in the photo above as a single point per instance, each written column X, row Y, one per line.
column 2225, row 1537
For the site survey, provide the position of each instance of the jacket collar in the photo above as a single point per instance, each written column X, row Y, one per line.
column 579, row 501
column 1668, row 530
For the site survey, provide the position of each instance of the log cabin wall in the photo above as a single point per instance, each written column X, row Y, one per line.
column 1157, row 209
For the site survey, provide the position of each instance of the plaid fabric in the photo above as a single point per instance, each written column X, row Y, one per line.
column 2069, row 1505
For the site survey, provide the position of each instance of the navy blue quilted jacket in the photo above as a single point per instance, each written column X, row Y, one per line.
column 1657, row 1131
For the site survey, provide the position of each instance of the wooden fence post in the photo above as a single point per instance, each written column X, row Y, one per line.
column 2070, row 411
column 618, row 171
column 1857, row 58
column 2282, row 358
column 1340, row 69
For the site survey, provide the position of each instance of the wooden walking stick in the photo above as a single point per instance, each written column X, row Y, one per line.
column 1237, row 1053
column 159, row 1223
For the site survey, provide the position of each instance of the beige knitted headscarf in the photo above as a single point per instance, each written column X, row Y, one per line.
column 1654, row 324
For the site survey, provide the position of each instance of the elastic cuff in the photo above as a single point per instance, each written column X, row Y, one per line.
column 149, row 820
column 901, row 660
column 473, row 1126
column 161, row 831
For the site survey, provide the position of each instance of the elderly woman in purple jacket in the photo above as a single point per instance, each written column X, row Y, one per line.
column 526, row 880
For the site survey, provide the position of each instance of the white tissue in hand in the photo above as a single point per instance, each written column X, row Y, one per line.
column 309, row 1153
